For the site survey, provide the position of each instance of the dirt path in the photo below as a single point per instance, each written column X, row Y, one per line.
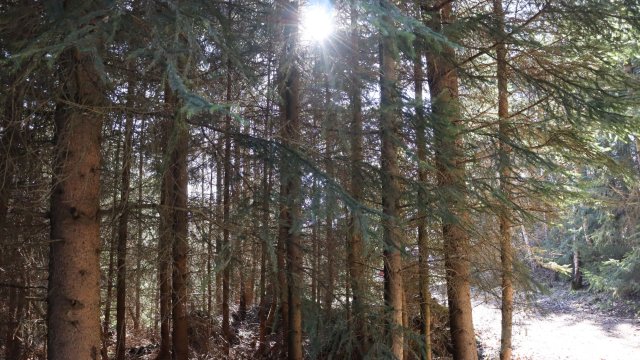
column 563, row 325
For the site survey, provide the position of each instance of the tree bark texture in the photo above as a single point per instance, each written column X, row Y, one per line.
column 175, row 184
column 504, row 170
column 423, row 247
column 290, row 183
column 355, row 246
column 449, row 159
column 73, row 300
column 390, row 123
column 123, row 221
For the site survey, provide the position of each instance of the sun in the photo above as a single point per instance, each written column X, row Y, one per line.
column 316, row 22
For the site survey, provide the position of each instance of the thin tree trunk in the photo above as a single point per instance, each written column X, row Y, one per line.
column 315, row 249
column 138, row 278
column 166, row 234
column 504, row 170
column 443, row 83
column 355, row 248
column 423, row 246
column 73, row 298
column 390, row 123
column 121, row 276
column 219, row 246
column 226, row 206
column 266, row 291
column 111, row 267
column 10, row 142
column 576, row 280
column 210, row 246
column 330, row 201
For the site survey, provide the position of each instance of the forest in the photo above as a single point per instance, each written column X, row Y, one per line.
column 313, row 179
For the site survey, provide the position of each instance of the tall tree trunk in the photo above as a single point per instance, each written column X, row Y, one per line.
column 226, row 206
column 423, row 246
column 112, row 241
column 178, row 188
column 138, row 278
column 166, row 235
column 123, row 221
column 443, row 83
column 330, row 249
column 73, row 300
column 174, row 233
column 504, row 170
column 355, row 248
column 290, row 206
column 219, row 216
column 390, row 123
column 266, row 291
column 210, row 244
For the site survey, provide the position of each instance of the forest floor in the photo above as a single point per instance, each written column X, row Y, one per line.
column 563, row 324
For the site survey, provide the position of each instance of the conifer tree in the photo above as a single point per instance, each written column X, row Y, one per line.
column 74, row 274
column 390, row 123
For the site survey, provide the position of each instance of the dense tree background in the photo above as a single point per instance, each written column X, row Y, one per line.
column 267, row 193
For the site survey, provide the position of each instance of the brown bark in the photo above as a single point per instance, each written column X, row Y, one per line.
column 355, row 248
column 121, row 276
column 219, row 215
column 210, row 246
column 177, row 192
column 330, row 247
column 576, row 279
column 111, row 267
column 290, row 206
column 226, row 206
column 73, row 300
column 266, row 291
column 315, row 243
column 423, row 246
column 449, row 159
column 174, row 231
column 166, row 236
column 180, row 243
column 504, row 170
column 138, row 278
column 390, row 123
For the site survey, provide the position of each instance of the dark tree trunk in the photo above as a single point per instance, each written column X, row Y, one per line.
column 138, row 278
column 123, row 221
column 111, row 267
column 266, row 291
column 290, row 206
column 576, row 279
column 166, row 235
column 226, row 206
column 355, row 248
column 180, row 274
column 423, row 246
column 330, row 247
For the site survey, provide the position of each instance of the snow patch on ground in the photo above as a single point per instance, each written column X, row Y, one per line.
column 561, row 325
